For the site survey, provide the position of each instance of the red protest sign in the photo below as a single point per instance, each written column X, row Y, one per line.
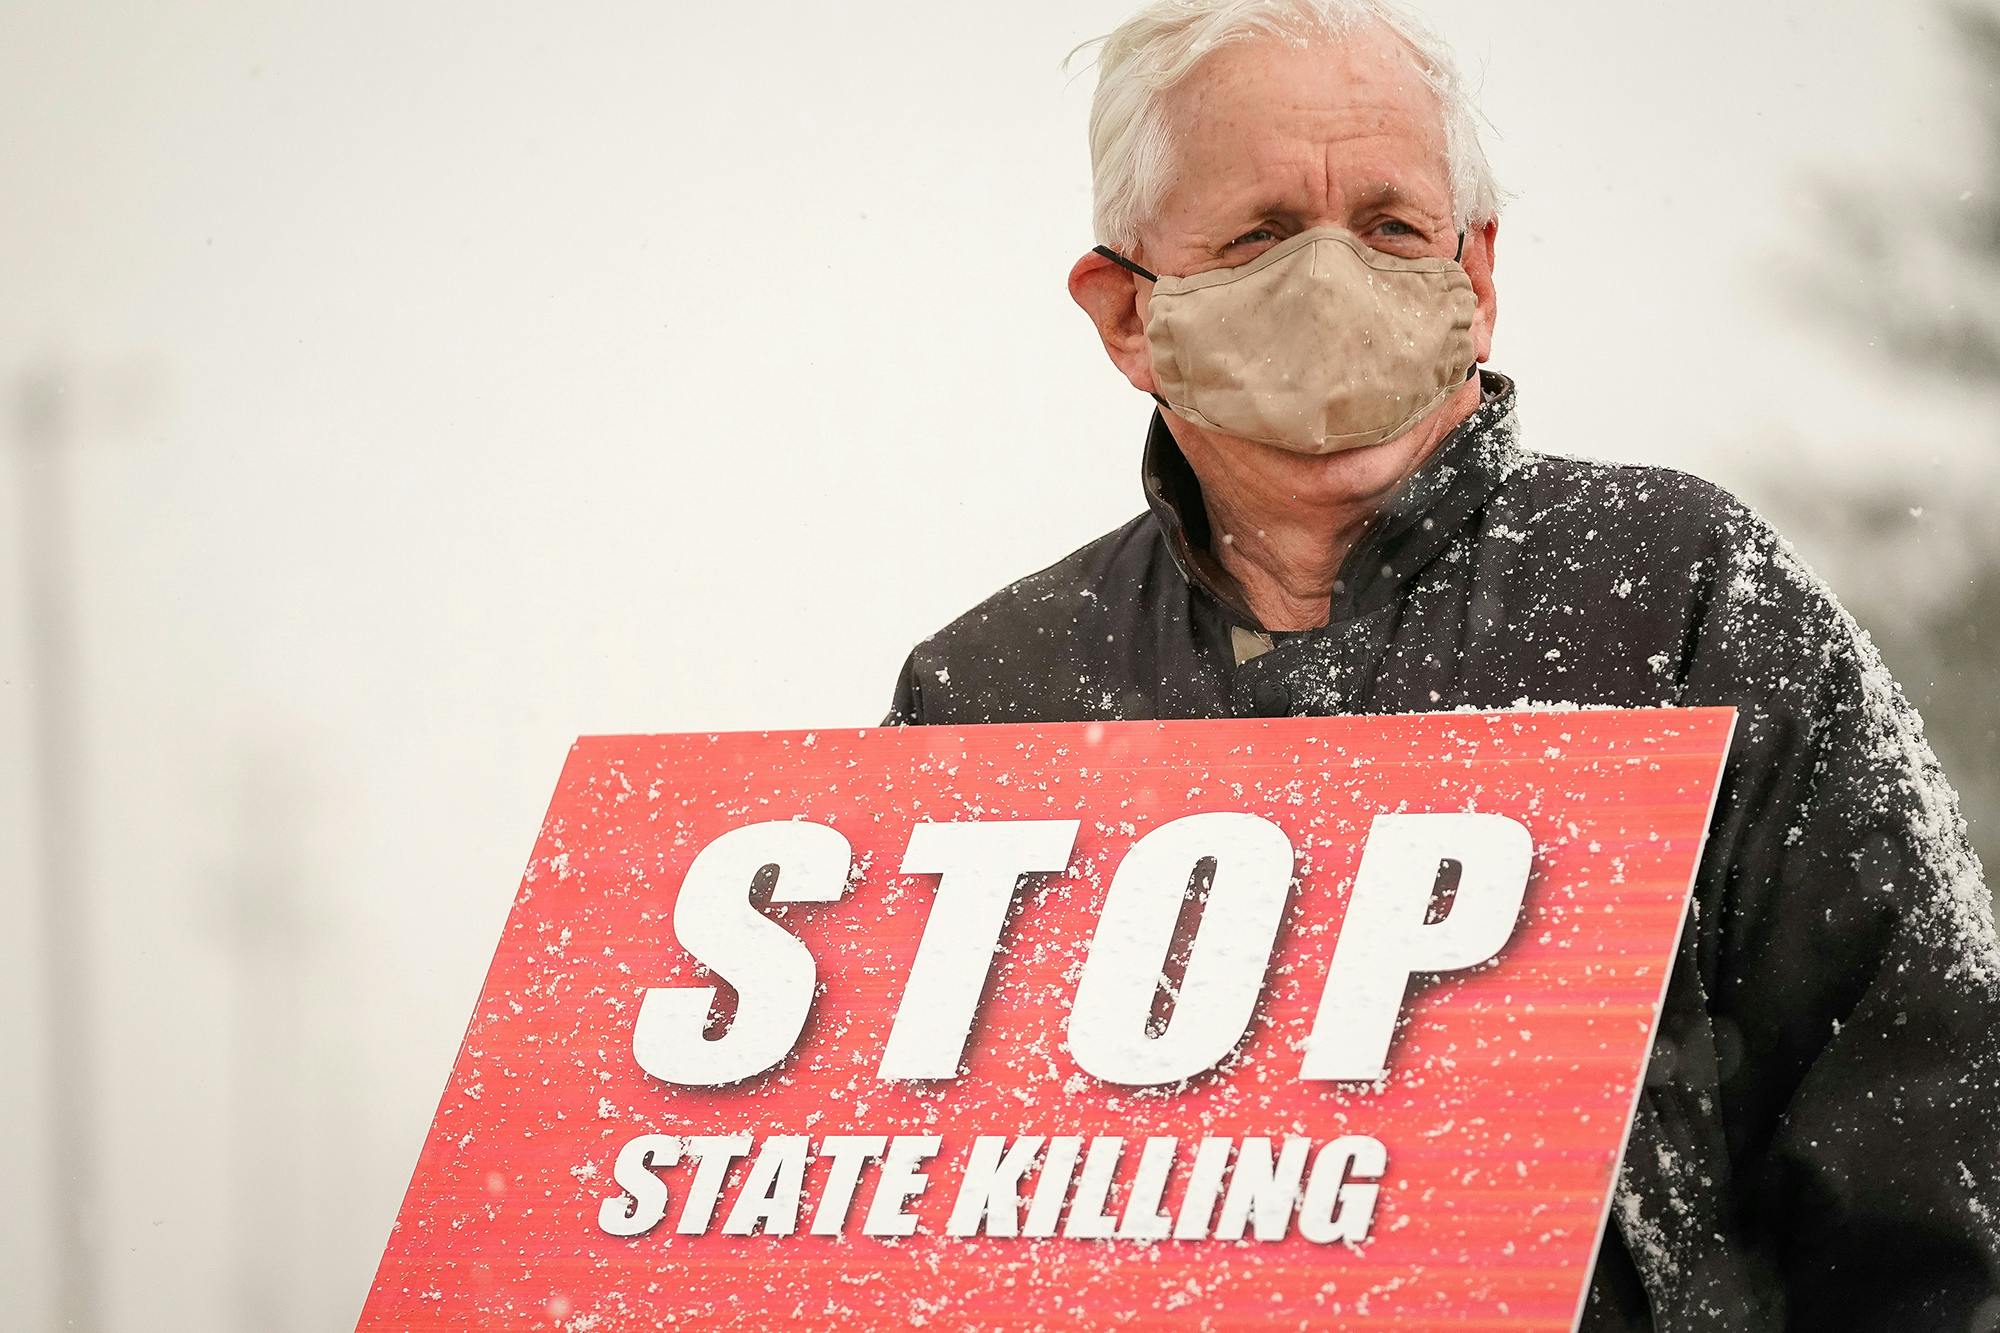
column 1321, row 1020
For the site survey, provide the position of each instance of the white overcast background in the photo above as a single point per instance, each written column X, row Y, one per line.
column 447, row 380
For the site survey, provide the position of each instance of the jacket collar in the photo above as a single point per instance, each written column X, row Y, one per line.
column 1447, row 490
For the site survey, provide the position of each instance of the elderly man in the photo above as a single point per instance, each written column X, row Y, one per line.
column 1298, row 233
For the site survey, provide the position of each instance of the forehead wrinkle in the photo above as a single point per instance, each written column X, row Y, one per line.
column 1305, row 180
column 1219, row 102
column 1298, row 133
column 1371, row 68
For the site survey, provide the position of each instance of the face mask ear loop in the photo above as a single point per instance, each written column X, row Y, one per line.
column 1130, row 267
column 1459, row 258
column 1122, row 261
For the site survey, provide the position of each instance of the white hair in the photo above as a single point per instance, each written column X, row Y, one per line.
column 1146, row 56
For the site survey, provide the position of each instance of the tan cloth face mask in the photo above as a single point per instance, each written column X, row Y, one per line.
column 1319, row 344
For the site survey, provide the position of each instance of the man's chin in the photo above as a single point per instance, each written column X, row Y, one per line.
column 1341, row 475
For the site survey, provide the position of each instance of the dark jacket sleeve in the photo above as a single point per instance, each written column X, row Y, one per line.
column 906, row 709
column 1848, row 951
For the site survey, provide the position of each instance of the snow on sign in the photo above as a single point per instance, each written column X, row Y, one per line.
column 1315, row 1021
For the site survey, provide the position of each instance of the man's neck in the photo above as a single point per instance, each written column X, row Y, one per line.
column 1282, row 524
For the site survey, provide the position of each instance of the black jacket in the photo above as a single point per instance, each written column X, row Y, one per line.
column 1818, row 1142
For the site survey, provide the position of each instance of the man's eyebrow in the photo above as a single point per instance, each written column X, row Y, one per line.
column 1266, row 207
column 1385, row 193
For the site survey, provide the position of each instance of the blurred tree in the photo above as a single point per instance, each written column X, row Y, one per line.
column 1918, row 270
column 1915, row 273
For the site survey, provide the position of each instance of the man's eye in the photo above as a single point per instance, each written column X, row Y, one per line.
column 1394, row 227
column 1257, row 237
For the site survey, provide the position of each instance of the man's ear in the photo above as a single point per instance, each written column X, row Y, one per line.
column 1479, row 260
column 1112, row 298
